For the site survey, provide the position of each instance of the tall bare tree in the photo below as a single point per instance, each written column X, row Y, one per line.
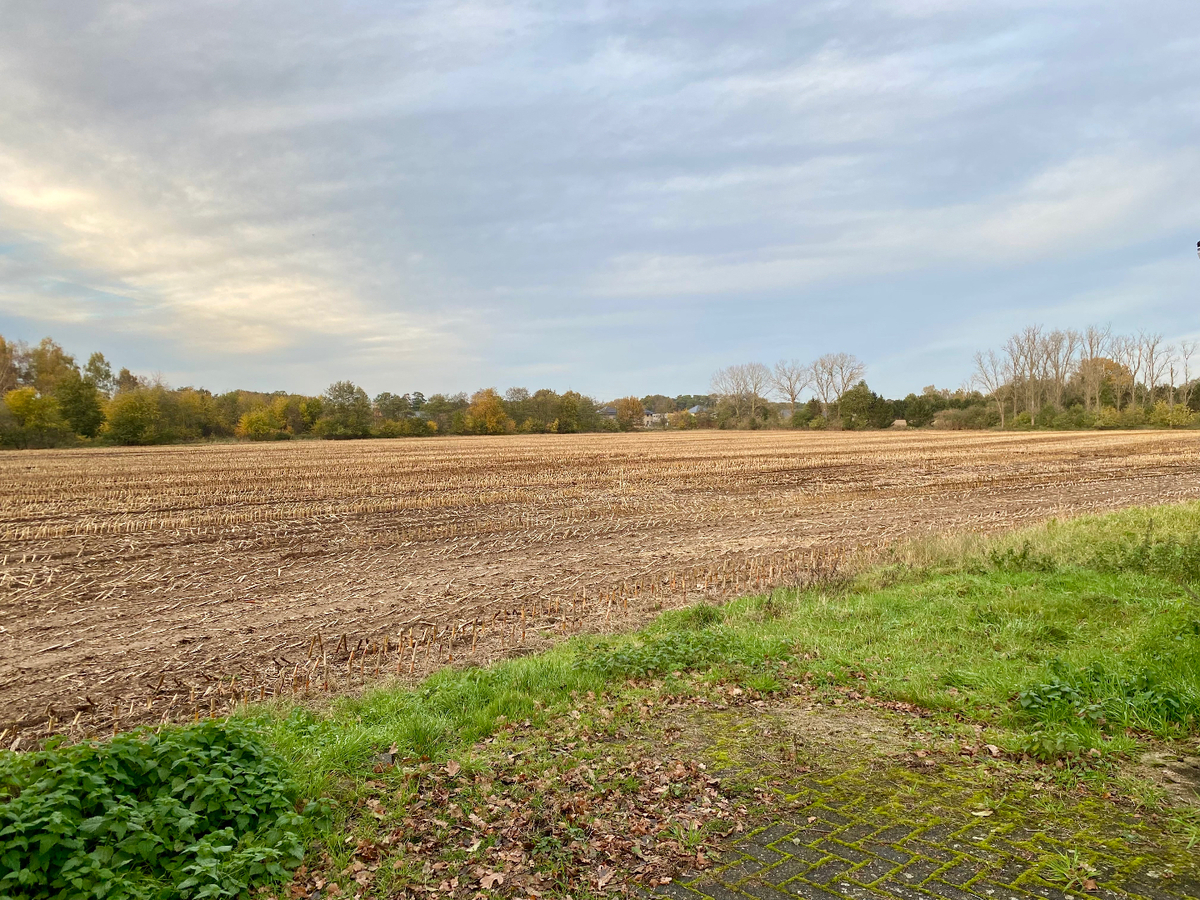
column 833, row 374
column 1092, row 368
column 744, row 386
column 1126, row 353
column 994, row 375
column 789, row 378
column 1059, row 352
column 1154, row 361
column 10, row 365
column 758, row 383
column 1026, row 354
column 730, row 385
column 1187, row 349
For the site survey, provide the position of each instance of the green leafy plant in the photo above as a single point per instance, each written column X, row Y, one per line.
column 202, row 811
column 1050, row 744
column 678, row 651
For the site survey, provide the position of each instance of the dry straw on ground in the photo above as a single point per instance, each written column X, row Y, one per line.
column 149, row 584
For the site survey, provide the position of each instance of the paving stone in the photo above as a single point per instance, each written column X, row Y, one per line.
column 1011, row 871
column 999, row 891
column 932, row 851
column 788, row 869
column 918, row 870
column 677, row 891
column 740, row 871
column 760, row 851
column 938, row 833
column 836, row 848
column 719, row 891
column 811, row 833
column 809, row 891
column 948, row 891
column 1050, row 892
column 775, row 833
column 855, row 891
column 960, row 874
column 971, row 848
column 828, row 815
column 852, row 851
column 808, row 853
column 856, row 833
column 763, row 891
column 873, row 870
column 826, row 871
column 887, row 852
column 893, row 834
column 906, row 892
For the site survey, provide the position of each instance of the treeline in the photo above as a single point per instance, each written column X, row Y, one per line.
column 1039, row 378
column 51, row 400
column 1090, row 378
column 830, row 393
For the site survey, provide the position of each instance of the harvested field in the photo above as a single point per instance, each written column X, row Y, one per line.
column 147, row 584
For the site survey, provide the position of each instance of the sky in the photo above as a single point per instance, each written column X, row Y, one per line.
column 616, row 198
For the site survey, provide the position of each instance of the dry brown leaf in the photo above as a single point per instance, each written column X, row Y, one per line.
column 490, row 880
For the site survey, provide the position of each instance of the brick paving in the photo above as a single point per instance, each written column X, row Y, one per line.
column 838, row 844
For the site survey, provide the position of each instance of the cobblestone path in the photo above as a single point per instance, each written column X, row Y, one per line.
column 848, row 843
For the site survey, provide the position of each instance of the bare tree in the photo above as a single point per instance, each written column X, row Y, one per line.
column 1093, row 354
column 742, row 386
column 1187, row 350
column 790, row 378
column 1059, row 352
column 730, row 385
column 758, row 382
column 834, row 374
column 11, row 364
column 822, row 384
column 1126, row 353
column 1026, row 355
column 1154, row 361
column 993, row 375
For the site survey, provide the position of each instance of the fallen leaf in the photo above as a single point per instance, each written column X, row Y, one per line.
column 981, row 813
column 490, row 880
column 453, row 768
column 1090, row 885
column 603, row 876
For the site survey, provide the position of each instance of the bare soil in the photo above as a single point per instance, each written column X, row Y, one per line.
column 139, row 584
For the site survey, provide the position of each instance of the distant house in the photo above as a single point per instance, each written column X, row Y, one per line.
column 609, row 412
column 696, row 410
column 653, row 419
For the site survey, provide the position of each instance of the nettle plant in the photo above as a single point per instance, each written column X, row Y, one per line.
column 200, row 811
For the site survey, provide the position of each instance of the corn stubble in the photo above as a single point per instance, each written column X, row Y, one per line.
column 150, row 585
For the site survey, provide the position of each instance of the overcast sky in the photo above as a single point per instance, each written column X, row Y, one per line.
column 612, row 197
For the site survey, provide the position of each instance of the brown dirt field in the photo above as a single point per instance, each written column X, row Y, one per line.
column 138, row 584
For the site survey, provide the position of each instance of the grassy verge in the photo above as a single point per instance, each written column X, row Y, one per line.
column 1072, row 643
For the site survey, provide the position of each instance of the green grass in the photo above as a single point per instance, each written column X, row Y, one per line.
column 1070, row 637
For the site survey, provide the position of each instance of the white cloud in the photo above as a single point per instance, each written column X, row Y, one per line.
column 1080, row 206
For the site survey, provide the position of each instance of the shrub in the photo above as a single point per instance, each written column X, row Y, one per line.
column 201, row 811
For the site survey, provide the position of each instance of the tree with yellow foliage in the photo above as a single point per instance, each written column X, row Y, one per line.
column 486, row 414
column 630, row 413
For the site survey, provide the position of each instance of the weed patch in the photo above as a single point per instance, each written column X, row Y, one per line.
column 202, row 811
